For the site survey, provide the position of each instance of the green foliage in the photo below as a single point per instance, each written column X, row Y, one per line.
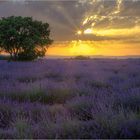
column 81, row 109
column 99, row 84
column 130, row 102
column 24, row 38
column 5, row 115
column 22, row 129
column 4, row 57
column 49, row 97
column 6, row 134
column 31, row 79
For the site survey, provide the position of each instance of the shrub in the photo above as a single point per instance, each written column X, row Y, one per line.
column 130, row 130
column 129, row 102
column 47, row 97
column 54, row 76
column 81, row 107
column 69, row 129
column 80, row 57
column 27, row 79
column 99, row 84
column 22, row 129
column 7, row 134
column 5, row 115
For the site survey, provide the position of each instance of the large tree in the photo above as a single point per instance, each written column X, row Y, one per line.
column 24, row 38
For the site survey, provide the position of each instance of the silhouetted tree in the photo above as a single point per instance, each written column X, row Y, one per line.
column 24, row 38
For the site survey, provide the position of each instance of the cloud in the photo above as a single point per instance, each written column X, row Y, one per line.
column 117, row 14
column 66, row 17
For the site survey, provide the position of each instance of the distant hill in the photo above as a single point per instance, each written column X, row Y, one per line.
column 90, row 57
column 5, row 57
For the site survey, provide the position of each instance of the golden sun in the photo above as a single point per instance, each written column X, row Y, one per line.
column 81, row 48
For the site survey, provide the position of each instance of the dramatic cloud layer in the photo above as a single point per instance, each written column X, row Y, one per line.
column 94, row 20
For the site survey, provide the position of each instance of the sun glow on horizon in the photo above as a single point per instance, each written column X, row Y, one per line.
column 81, row 48
column 91, row 48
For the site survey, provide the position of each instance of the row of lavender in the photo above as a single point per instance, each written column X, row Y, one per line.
column 70, row 99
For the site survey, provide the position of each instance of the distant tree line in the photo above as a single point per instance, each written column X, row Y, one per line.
column 81, row 57
column 24, row 38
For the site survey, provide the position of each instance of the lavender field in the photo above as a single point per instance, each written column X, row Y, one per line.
column 97, row 98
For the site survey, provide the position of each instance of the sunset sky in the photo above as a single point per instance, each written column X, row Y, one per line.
column 84, row 27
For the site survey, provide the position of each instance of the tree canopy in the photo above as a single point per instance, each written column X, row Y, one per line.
column 24, row 38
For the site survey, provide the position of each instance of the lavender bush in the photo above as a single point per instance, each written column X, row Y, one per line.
column 70, row 99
